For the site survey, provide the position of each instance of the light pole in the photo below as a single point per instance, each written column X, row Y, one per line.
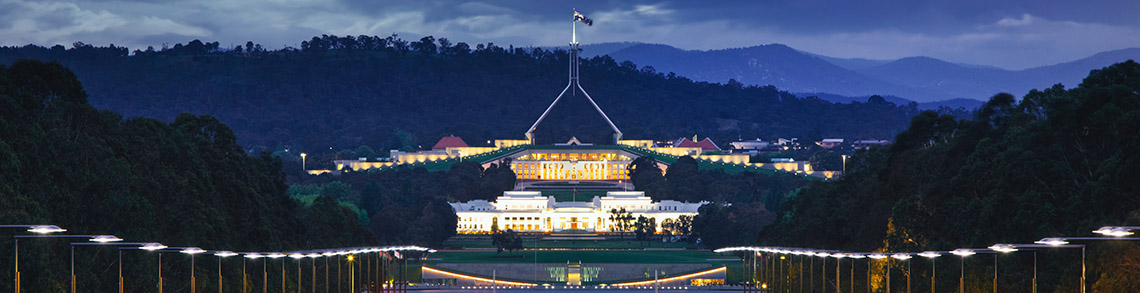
column 101, row 240
column 838, row 258
column 963, row 253
column 351, row 274
column 853, row 257
column 303, row 155
column 244, row 280
column 93, row 238
column 220, row 255
column 887, row 271
column 313, row 274
column 931, row 255
column 905, row 257
column 157, row 248
column 277, row 255
column 38, row 229
column 192, row 251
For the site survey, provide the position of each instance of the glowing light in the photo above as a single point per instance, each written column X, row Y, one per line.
column 930, row 254
column 670, row 279
column 313, row 255
column 297, row 256
column 192, row 250
column 473, row 278
column 1113, row 231
column 877, row 256
column 901, row 256
column 963, row 252
column 253, row 255
column 152, row 246
column 1052, row 241
column 44, row 229
column 105, row 238
column 856, row 256
column 1004, row 248
column 275, row 255
column 225, row 253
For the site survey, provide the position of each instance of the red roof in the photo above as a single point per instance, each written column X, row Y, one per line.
column 705, row 144
column 449, row 142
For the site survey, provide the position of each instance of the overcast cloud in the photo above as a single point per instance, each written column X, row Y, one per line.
column 1009, row 34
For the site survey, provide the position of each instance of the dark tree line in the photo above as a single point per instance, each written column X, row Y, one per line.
column 184, row 183
column 1057, row 162
column 341, row 92
column 409, row 204
column 740, row 204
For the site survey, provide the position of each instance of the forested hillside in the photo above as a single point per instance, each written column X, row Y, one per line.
column 343, row 92
column 1058, row 162
column 185, row 183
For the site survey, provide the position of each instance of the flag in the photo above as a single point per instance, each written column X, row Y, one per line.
column 583, row 19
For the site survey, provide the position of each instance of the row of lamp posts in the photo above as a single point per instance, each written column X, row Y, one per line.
column 46, row 231
column 774, row 271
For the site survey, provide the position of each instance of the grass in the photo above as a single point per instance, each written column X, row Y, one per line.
column 586, row 256
column 577, row 244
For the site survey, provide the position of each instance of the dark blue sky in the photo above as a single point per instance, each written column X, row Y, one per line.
column 1010, row 34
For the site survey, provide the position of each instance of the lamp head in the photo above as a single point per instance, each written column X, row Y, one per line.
column 1113, row 231
column 901, row 256
column 105, row 238
column 930, row 254
column 253, row 255
column 1003, row 248
column 152, row 246
column 1052, row 241
column 963, row 252
column 45, row 229
column 192, row 250
column 297, row 256
column 275, row 255
column 877, row 256
column 225, row 253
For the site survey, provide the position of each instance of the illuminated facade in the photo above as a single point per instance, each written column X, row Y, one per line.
column 530, row 211
column 572, row 165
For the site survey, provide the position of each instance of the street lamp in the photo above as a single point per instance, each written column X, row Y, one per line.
column 1002, row 248
column 303, row 155
column 931, row 255
column 963, row 253
column 102, row 240
column 298, row 257
column 221, row 255
column 192, row 251
column 904, row 257
column 887, row 271
column 39, row 229
column 313, row 257
column 853, row 257
column 277, row 255
column 44, row 229
column 1116, row 231
column 264, row 273
column 838, row 257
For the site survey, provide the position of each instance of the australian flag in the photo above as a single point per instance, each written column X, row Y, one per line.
column 583, row 19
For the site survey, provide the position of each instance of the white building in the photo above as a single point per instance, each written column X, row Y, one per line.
column 529, row 211
column 749, row 144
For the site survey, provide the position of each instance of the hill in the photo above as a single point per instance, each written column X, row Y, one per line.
column 338, row 93
column 921, row 79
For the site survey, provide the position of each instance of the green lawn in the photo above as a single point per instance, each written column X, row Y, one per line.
column 629, row 243
column 587, row 256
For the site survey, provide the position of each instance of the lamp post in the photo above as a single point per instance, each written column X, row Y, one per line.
column 277, row 255
column 221, row 255
column 838, row 258
column 38, row 229
column 887, row 271
column 192, row 251
column 156, row 247
column 303, row 155
column 351, row 274
column 244, row 281
column 963, row 253
column 103, row 240
column 905, row 257
column 50, row 229
column 313, row 274
column 931, row 255
column 853, row 257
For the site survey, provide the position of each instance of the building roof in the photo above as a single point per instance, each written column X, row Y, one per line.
column 705, row 144
column 449, row 142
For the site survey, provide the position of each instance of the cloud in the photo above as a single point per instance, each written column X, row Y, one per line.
column 1009, row 34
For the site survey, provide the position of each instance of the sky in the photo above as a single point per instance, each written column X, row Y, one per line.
column 1014, row 34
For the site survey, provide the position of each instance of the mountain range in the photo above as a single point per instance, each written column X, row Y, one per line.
column 931, row 82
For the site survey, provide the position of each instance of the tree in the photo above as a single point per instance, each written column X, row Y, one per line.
column 621, row 220
column 645, row 228
column 508, row 240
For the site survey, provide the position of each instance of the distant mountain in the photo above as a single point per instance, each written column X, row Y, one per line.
column 921, row 79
